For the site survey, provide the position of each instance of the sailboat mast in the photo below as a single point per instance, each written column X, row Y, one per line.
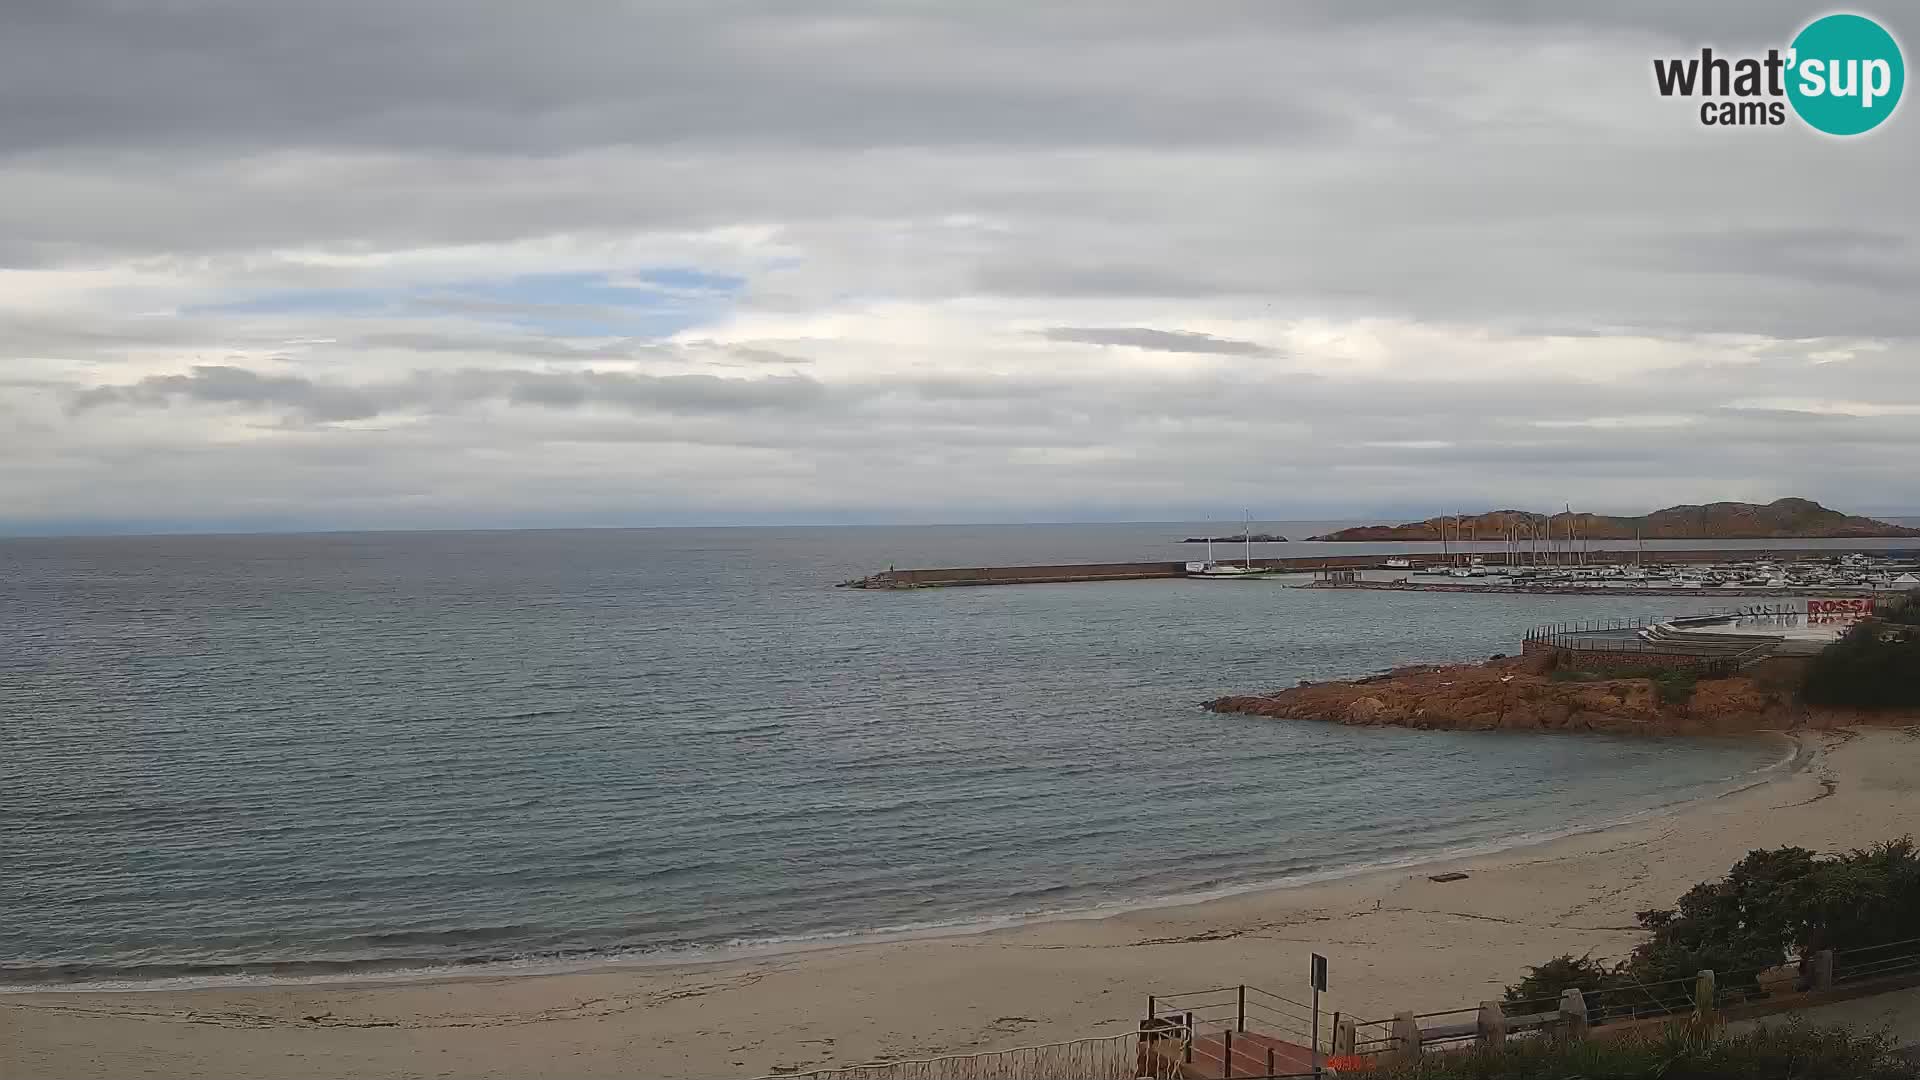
column 1246, row 534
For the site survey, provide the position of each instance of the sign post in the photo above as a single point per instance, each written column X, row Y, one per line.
column 1319, row 977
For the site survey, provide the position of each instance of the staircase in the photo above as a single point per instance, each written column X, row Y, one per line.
column 1251, row 1053
column 1232, row 1033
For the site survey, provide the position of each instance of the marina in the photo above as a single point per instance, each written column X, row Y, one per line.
column 1777, row 572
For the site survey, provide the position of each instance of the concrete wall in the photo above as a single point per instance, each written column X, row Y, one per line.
column 1014, row 575
column 1607, row 662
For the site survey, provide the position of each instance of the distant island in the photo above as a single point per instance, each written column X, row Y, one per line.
column 1780, row 519
column 1237, row 538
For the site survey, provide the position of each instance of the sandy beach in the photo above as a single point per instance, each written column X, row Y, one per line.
column 1396, row 940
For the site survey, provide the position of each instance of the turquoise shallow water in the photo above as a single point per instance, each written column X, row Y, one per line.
column 229, row 757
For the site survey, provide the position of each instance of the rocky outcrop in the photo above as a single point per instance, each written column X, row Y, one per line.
column 1519, row 695
column 1780, row 519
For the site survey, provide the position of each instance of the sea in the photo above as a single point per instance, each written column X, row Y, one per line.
column 295, row 757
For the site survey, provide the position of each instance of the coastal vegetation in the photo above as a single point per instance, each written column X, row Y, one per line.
column 1900, row 608
column 1772, row 905
column 1876, row 665
column 1671, row 686
column 1798, row 1051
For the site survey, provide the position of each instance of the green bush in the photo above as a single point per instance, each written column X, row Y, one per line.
column 1902, row 608
column 1875, row 666
column 1675, row 687
column 1671, row 686
column 1771, row 905
column 1779, row 1052
column 1543, row 985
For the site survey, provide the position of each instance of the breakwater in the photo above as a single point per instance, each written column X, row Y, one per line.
column 1019, row 575
column 956, row 576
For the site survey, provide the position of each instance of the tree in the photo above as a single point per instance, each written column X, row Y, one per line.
column 1772, row 905
column 1547, row 982
column 1876, row 665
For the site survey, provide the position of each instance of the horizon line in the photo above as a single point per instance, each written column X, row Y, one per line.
column 186, row 531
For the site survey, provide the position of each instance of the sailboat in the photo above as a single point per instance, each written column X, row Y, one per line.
column 1219, row 571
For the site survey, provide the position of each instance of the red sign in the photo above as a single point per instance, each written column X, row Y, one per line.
column 1844, row 609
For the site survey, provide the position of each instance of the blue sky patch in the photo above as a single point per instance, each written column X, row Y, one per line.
column 654, row 302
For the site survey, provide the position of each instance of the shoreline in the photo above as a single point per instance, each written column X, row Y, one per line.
column 1798, row 756
column 1396, row 939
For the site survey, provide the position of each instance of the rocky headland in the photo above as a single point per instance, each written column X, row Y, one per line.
column 1781, row 519
column 1522, row 694
column 1237, row 538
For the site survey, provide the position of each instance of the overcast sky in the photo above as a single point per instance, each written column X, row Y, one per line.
column 370, row 263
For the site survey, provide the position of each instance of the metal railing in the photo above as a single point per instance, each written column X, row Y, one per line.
column 1641, row 1000
column 1869, row 962
column 1373, row 1037
column 1115, row 1057
column 1710, row 656
column 1242, row 1008
column 1548, row 631
column 1633, row 1001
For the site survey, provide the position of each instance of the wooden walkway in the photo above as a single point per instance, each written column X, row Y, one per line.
column 1252, row 1055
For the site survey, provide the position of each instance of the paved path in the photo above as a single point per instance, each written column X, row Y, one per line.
column 1897, row 1013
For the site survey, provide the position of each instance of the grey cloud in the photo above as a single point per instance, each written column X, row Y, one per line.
column 1434, row 193
column 323, row 402
column 1040, row 277
column 494, row 76
column 1880, row 260
column 487, row 76
column 1262, row 441
column 1140, row 337
column 535, row 346
column 226, row 385
column 1138, row 441
column 755, row 355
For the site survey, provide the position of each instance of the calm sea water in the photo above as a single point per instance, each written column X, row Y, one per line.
column 283, row 756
